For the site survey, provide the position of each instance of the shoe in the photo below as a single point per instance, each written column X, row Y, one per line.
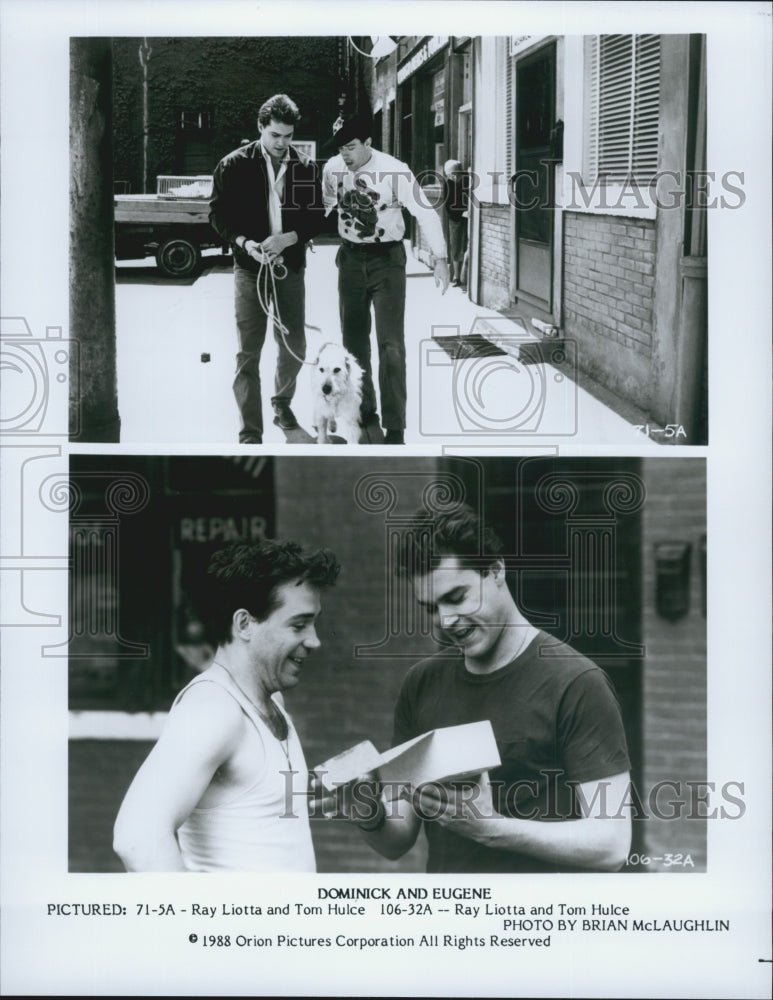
column 252, row 439
column 284, row 417
column 394, row 437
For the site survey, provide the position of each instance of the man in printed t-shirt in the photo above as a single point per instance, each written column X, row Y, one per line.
column 370, row 188
column 558, row 800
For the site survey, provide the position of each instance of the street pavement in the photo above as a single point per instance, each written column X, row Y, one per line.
column 176, row 348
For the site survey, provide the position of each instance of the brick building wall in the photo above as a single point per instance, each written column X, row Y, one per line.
column 674, row 675
column 608, row 299
column 343, row 698
column 233, row 77
column 496, row 248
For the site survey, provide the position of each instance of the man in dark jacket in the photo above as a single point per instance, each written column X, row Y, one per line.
column 267, row 203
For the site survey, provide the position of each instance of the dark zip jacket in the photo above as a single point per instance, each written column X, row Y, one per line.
column 239, row 203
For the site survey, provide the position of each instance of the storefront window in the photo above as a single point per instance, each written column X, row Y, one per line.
column 464, row 150
column 141, row 535
column 439, row 117
column 406, row 124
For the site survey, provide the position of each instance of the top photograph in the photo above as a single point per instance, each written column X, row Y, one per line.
column 389, row 241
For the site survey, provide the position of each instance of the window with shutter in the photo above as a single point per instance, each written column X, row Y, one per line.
column 509, row 116
column 622, row 101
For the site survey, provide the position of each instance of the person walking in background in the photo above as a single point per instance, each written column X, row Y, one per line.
column 456, row 208
column 370, row 189
column 267, row 204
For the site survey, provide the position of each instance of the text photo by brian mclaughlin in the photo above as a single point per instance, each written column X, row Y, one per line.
column 424, row 664
column 501, row 238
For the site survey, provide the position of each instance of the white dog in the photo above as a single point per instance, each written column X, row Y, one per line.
column 337, row 384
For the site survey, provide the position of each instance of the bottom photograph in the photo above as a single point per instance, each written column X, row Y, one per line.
column 425, row 664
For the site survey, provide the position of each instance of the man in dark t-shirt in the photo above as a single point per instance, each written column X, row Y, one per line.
column 557, row 801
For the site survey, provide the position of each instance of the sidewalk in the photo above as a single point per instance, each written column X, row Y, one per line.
column 177, row 346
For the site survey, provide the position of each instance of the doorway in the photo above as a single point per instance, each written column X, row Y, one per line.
column 535, row 90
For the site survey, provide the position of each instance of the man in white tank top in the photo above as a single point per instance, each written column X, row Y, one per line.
column 220, row 789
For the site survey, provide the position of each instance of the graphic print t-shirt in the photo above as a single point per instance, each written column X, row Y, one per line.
column 370, row 201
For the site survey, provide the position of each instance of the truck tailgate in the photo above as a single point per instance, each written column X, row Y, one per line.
column 149, row 209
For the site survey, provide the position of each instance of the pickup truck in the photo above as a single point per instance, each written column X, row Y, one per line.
column 172, row 224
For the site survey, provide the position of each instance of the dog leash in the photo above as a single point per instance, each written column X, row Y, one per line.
column 269, row 272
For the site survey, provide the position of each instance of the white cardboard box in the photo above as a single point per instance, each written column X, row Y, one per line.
column 438, row 755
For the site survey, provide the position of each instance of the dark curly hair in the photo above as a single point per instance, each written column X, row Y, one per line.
column 280, row 108
column 248, row 575
column 458, row 532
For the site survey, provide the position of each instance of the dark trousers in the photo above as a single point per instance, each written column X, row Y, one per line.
column 251, row 323
column 376, row 277
column 457, row 245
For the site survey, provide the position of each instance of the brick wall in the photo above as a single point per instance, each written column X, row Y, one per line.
column 496, row 250
column 345, row 698
column 674, row 675
column 233, row 77
column 608, row 298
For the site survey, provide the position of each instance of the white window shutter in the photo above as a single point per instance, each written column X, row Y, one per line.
column 591, row 108
column 646, row 107
column 509, row 116
column 622, row 104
